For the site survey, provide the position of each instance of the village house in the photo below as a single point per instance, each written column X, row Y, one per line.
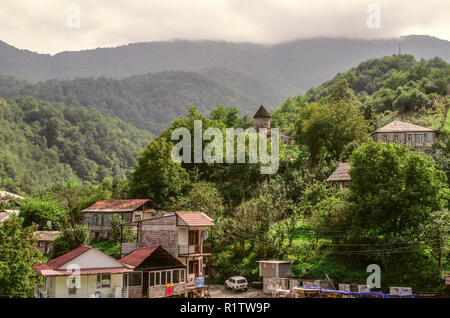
column 262, row 120
column 340, row 176
column 98, row 216
column 156, row 273
column 100, row 276
column 417, row 137
column 182, row 234
column 45, row 240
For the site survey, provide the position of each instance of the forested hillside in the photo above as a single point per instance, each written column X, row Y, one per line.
column 387, row 88
column 152, row 101
column 300, row 63
column 42, row 143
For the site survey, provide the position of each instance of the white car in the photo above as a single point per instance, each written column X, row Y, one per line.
column 236, row 283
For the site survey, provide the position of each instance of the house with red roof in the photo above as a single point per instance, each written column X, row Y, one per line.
column 156, row 273
column 98, row 216
column 85, row 272
column 183, row 235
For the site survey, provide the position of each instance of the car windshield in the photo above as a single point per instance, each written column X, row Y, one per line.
column 241, row 281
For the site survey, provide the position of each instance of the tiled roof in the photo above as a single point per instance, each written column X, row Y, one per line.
column 400, row 126
column 195, row 218
column 46, row 235
column 116, row 205
column 341, row 173
column 136, row 257
column 262, row 112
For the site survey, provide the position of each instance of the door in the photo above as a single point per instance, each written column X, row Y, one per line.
column 145, row 285
column 194, row 241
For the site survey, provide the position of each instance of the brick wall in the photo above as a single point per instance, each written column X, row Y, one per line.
column 160, row 231
column 127, row 248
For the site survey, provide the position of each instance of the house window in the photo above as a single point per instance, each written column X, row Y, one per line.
column 152, row 279
column 193, row 267
column 103, row 281
column 396, row 138
column 176, row 276
column 384, row 138
column 182, row 276
column 157, row 278
column 136, row 279
column 410, row 138
column 419, row 137
column 163, row 278
column 193, row 237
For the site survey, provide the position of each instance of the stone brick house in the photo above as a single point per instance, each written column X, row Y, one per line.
column 44, row 240
column 417, row 137
column 182, row 234
column 98, row 216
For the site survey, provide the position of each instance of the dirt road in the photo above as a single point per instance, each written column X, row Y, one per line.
column 219, row 291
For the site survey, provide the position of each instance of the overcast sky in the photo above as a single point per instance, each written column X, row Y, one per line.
column 42, row 25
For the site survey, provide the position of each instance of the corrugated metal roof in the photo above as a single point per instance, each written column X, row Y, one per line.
column 195, row 218
column 136, row 257
column 63, row 259
column 400, row 126
column 117, row 205
column 51, row 267
column 341, row 173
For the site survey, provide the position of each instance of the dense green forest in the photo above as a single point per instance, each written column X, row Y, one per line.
column 152, row 101
column 42, row 143
column 392, row 87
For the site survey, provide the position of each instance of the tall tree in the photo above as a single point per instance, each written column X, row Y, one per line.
column 394, row 189
column 18, row 253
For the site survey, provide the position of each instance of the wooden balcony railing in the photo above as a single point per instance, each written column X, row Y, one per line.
column 191, row 250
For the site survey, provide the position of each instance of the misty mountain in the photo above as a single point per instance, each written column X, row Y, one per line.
column 301, row 63
column 154, row 100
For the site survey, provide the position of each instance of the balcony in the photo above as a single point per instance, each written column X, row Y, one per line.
column 194, row 250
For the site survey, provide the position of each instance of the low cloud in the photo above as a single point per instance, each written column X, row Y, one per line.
column 40, row 25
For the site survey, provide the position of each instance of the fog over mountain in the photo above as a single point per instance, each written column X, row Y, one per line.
column 299, row 64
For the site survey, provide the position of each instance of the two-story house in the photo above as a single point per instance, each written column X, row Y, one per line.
column 183, row 235
column 417, row 137
column 98, row 216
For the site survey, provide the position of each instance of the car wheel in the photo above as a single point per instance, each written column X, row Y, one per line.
column 226, row 287
column 235, row 290
column 245, row 289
